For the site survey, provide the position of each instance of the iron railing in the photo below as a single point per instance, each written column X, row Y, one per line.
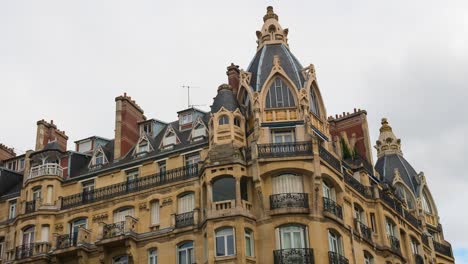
column 142, row 183
column 329, row 158
column 184, row 219
column 67, row 240
column 359, row 187
column 443, row 249
column 30, row 206
column 46, row 169
column 289, row 149
column 293, row 256
column 336, row 258
column 366, row 232
column 394, row 243
column 289, row 200
column 411, row 219
column 418, row 259
column 331, row 206
column 425, row 239
column 24, row 251
column 113, row 230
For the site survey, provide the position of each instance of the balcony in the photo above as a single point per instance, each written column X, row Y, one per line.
column 332, row 207
column 113, row 230
column 294, row 255
column 289, row 200
column 31, row 250
column 123, row 188
column 445, row 250
column 336, row 258
column 418, row 259
column 329, row 159
column 75, row 239
column 359, row 187
column 394, row 243
column 45, row 169
column 280, row 150
column 364, row 230
column 184, row 219
column 30, row 206
column 118, row 233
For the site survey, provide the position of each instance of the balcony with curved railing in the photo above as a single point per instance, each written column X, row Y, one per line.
column 294, row 255
column 48, row 169
column 289, row 200
column 445, row 250
column 332, row 207
column 336, row 258
column 184, row 219
column 394, row 243
column 287, row 149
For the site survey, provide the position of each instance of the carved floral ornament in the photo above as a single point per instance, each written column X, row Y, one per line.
column 100, row 217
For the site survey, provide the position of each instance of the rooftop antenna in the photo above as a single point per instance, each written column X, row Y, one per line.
column 188, row 93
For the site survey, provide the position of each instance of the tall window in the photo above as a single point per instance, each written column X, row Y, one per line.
column 12, row 210
column 373, row 224
column 120, row 260
column 329, row 191
column 223, row 120
column 36, row 195
column 186, row 203
column 224, row 189
column 390, row 227
column 414, row 246
column 162, row 166
column 359, row 214
column 75, row 226
column 237, row 121
column 185, row 254
column 249, row 243
column 225, row 242
column 87, row 186
column 45, row 229
column 425, row 204
column 192, row 159
column 152, row 256
column 404, row 195
column 287, row 183
column 335, row 242
column 155, row 213
column 292, row 236
column 99, row 159
column 279, row 95
column 28, row 235
column 314, row 107
column 368, row 258
column 120, row 214
column 283, row 136
column 2, row 245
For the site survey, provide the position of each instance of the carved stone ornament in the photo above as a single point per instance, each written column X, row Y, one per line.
column 100, row 217
column 166, row 201
column 59, row 227
column 143, row 206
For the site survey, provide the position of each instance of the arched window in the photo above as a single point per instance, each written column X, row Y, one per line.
column 237, row 121
column 28, row 235
column 368, row 258
column 223, row 120
column 120, row 260
column 425, row 204
column 335, row 244
column 185, row 254
column 121, row 213
column 329, row 191
column 359, row 214
column 314, row 106
column 225, row 243
column 75, row 226
column 279, row 95
column 390, row 227
column 224, row 189
column 292, row 236
column 287, row 183
column 249, row 243
column 152, row 256
column 405, row 195
column 186, row 203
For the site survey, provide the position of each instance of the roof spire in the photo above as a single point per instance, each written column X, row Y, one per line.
column 271, row 32
column 387, row 143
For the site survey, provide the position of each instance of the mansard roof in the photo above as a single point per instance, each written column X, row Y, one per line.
column 262, row 64
column 386, row 166
column 10, row 182
column 225, row 98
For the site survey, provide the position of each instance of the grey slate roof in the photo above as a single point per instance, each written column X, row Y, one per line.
column 386, row 166
column 262, row 63
column 225, row 98
column 10, row 182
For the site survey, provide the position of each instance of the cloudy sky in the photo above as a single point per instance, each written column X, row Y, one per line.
column 405, row 60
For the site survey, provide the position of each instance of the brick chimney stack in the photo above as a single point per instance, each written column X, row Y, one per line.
column 233, row 74
column 127, row 116
column 6, row 152
column 48, row 132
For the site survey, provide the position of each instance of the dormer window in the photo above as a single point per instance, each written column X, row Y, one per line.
column 198, row 131
column 314, row 107
column 99, row 159
column 147, row 129
column 279, row 95
column 143, row 147
column 223, row 120
column 186, row 119
column 170, row 139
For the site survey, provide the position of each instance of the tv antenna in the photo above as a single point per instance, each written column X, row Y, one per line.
column 188, row 87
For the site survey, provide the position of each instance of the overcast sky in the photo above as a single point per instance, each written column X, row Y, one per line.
column 405, row 60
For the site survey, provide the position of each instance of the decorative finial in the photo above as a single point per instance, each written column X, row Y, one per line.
column 270, row 14
column 224, row 86
column 387, row 143
column 385, row 126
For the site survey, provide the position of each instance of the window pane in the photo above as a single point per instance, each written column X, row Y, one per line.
column 230, row 245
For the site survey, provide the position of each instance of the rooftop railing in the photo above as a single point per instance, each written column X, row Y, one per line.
column 289, row 149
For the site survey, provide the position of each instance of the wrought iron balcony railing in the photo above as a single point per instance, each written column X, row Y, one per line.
column 329, row 158
column 359, row 187
column 67, row 240
column 425, row 240
column 289, row 149
column 113, row 230
column 394, row 243
column 142, row 183
column 46, row 169
column 412, row 219
column 365, row 231
column 289, row 200
column 30, row 206
column 418, row 259
column 293, row 256
column 336, row 258
column 184, row 219
column 331, row 206
column 24, row 251
column 443, row 249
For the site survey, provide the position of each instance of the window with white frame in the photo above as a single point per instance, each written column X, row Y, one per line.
column 186, row 119
column 87, row 186
column 36, row 194
column 155, row 212
column 21, row 164
column 359, row 214
column 192, row 159
column 329, row 191
column 414, row 246
column 292, row 236
column 335, row 242
column 279, row 95
column 28, row 235
column 170, row 138
column 2, row 245
column 143, row 146
column 185, row 253
column 120, row 260
column 283, row 136
column 185, row 203
column 45, row 229
column 99, row 158
column 390, row 227
column 75, row 226
column 249, row 243
column 152, row 256
column 132, row 175
column 287, row 183
column 12, row 210
column 162, row 166
column 225, row 242
column 120, row 214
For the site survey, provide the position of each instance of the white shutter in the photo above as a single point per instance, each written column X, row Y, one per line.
column 49, row 194
column 186, row 203
column 155, row 212
column 45, row 233
column 287, row 183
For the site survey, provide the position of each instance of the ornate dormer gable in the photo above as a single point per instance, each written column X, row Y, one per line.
column 402, row 191
column 98, row 159
column 143, row 145
column 271, row 32
column 170, row 138
column 199, row 130
column 387, row 143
